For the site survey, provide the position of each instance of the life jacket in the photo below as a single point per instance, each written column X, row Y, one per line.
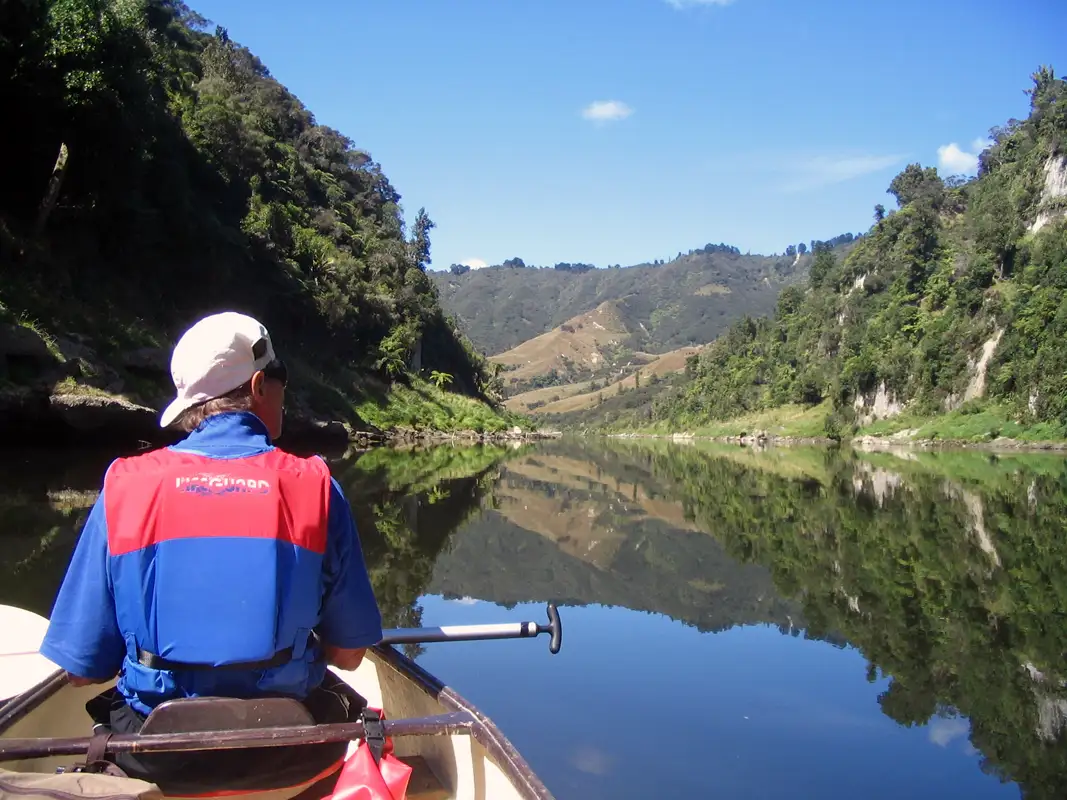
column 216, row 567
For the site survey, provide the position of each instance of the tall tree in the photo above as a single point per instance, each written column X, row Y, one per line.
column 420, row 239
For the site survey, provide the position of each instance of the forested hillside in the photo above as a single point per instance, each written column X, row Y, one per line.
column 688, row 300
column 956, row 301
column 159, row 172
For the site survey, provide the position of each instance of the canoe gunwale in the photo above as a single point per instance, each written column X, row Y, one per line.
column 483, row 730
column 462, row 717
column 15, row 708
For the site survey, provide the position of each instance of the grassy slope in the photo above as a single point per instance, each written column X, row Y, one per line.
column 975, row 423
column 583, row 344
column 792, row 420
column 583, row 396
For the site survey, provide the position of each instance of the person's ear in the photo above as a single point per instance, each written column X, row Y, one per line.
column 258, row 381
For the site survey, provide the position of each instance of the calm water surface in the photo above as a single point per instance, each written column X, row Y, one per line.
column 737, row 624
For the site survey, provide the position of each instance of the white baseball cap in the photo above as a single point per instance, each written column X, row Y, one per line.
column 215, row 356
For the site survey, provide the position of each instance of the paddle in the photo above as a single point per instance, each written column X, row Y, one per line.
column 460, row 633
column 453, row 722
column 21, row 633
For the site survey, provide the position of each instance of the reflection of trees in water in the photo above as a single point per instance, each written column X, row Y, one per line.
column 45, row 498
column 949, row 575
column 405, row 504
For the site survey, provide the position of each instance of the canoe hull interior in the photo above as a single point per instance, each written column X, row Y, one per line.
column 477, row 765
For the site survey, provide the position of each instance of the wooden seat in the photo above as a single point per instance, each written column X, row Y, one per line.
column 193, row 714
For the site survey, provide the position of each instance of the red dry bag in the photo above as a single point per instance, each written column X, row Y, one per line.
column 373, row 772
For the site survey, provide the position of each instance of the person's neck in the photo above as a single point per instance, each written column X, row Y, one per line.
column 244, row 421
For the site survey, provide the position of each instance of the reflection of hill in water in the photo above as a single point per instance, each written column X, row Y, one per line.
column 947, row 571
column 566, row 529
column 576, row 504
column 685, row 576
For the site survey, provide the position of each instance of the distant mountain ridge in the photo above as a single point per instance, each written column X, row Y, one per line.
column 687, row 301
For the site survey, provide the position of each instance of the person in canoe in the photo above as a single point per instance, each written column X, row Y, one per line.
column 219, row 566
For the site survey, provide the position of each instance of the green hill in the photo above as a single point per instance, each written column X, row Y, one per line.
column 955, row 303
column 688, row 300
column 158, row 173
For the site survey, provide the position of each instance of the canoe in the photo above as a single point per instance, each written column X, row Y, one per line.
column 455, row 751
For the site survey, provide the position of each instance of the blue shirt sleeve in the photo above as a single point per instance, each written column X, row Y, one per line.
column 83, row 635
column 350, row 615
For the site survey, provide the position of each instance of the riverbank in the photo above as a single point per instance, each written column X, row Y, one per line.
column 74, row 390
column 86, row 418
column 977, row 426
column 869, row 443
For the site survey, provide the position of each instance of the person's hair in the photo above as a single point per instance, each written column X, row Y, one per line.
column 240, row 399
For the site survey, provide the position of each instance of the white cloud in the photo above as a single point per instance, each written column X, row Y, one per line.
column 944, row 730
column 607, row 111
column 474, row 263
column 954, row 161
column 591, row 759
column 691, row 3
column 818, row 171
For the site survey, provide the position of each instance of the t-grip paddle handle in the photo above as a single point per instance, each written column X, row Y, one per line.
column 555, row 627
column 468, row 633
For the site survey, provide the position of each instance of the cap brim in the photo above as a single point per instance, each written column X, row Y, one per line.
column 174, row 410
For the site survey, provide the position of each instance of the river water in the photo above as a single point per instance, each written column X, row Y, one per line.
column 796, row 622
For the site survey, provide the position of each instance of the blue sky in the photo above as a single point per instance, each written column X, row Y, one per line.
column 620, row 131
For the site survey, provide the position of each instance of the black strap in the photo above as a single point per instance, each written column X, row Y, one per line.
column 98, row 745
column 374, row 733
column 96, row 760
column 152, row 661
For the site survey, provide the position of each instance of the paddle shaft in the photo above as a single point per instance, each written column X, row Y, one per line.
column 446, row 633
column 462, row 633
column 458, row 633
column 438, row 725
column 467, row 633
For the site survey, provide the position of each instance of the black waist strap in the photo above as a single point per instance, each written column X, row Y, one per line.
column 152, row 661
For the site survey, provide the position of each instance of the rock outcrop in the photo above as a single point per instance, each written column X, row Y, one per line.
column 1053, row 204
column 61, row 392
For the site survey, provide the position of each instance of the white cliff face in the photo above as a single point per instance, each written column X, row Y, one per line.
column 1055, row 188
column 978, row 368
column 976, row 388
column 882, row 406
